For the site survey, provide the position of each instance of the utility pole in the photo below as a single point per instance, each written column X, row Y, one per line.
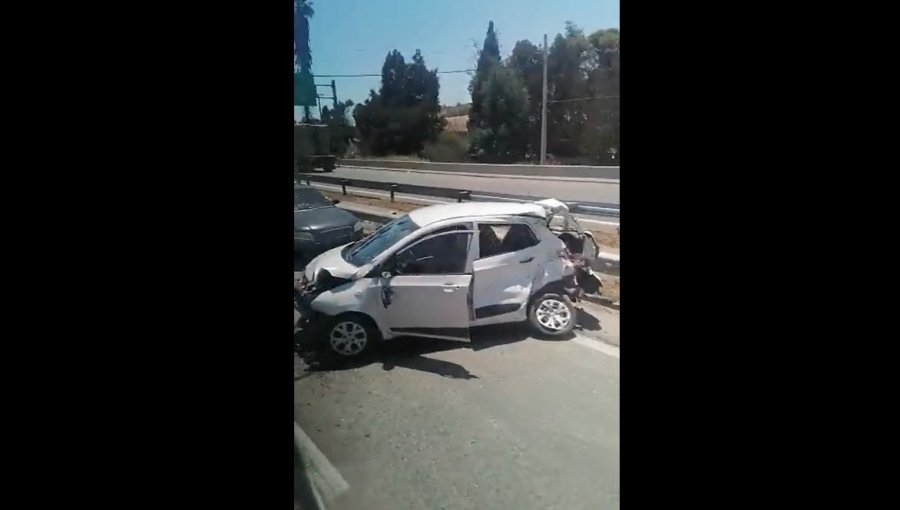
column 333, row 94
column 544, row 109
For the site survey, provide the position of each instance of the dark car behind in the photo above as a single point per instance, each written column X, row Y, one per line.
column 319, row 225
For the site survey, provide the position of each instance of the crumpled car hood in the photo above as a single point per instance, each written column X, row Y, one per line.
column 333, row 262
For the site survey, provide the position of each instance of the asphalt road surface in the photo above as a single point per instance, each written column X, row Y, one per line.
column 512, row 422
column 572, row 190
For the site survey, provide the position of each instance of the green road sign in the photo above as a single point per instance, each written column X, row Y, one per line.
column 304, row 90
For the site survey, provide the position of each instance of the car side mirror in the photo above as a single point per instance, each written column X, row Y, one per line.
column 388, row 268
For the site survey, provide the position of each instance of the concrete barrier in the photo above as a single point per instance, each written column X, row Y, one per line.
column 596, row 172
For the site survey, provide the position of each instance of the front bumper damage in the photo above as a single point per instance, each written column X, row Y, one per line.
column 309, row 326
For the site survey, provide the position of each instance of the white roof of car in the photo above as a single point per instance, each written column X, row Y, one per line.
column 433, row 213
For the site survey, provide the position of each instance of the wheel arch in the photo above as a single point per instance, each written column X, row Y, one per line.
column 561, row 287
column 362, row 316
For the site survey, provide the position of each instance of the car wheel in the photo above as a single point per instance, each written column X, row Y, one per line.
column 351, row 335
column 552, row 315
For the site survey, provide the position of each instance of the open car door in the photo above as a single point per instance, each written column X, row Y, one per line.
column 426, row 286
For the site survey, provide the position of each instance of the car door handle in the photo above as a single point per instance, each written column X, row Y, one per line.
column 529, row 259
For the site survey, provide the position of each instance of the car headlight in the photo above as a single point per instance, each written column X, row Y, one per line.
column 302, row 236
column 358, row 226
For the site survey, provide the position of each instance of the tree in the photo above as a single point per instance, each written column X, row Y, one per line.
column 302, row 53
column 567, row 86
column 600, row 139
column 501, row 135
column 528, row 62
column 393, row 78
column 582, row 109
column 488, row 58
column 405, row 113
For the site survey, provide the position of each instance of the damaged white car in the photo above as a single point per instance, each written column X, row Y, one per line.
column 440, row 270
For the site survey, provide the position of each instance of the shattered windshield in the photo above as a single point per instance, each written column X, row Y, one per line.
column 382, row 239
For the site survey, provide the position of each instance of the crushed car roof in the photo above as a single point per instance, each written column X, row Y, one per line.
column 433, row 213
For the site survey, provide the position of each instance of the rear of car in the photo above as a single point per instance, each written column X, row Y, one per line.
column 319, row 225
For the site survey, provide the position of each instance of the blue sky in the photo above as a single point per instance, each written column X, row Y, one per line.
column 353, row 36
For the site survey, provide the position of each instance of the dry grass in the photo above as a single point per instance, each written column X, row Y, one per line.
column 610, row 287
column 605, row 238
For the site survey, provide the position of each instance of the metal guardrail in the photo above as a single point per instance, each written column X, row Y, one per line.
column 592, row 208
column 583, row 171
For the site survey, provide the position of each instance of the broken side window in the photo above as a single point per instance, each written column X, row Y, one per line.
column 496, row 239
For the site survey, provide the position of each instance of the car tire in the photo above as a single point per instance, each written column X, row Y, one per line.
column 552, row 315
column 351, row 335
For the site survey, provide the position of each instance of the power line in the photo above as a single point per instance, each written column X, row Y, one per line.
column 580, row 99
column 379, row 74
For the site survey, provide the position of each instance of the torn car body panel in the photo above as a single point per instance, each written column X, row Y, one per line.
column 581, row 244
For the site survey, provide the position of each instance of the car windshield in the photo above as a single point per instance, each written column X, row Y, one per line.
column 382, row 239
column 308, row 198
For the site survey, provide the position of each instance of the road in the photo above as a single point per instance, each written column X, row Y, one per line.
column 587, row 190
column 512, row 422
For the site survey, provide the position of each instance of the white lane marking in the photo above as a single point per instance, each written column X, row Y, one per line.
column 586, row 220
column 597, row 345
column 319, row 503
column 327, row 481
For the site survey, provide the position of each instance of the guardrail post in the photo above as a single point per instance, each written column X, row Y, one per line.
column 344, row 183
column 464, row 195
column 393, row 188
